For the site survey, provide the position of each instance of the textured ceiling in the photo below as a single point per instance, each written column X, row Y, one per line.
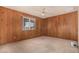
column 49, row 10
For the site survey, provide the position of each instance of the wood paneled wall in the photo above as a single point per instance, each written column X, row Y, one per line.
column 11, row 25
column 44, row 27
column 62, row 26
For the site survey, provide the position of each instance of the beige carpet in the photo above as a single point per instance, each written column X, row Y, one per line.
column 40, row 45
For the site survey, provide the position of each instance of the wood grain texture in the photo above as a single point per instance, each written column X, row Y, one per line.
column 44, row 27
column 63, row 26
column 11, row 26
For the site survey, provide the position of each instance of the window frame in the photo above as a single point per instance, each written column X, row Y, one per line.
column 30, row 19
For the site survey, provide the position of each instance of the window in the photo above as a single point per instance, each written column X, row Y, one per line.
column 29, row 23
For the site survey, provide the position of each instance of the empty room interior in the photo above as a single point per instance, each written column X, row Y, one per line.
column 38, row 29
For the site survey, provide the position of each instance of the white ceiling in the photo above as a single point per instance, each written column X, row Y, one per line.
column 49, row 11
